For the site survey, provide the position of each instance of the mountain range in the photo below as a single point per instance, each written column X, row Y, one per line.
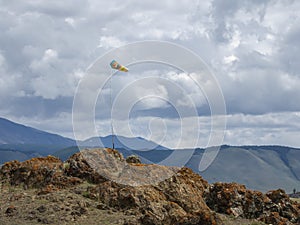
column 258, row 167
column 22, row 138
column 19, row 142
column 128, row 143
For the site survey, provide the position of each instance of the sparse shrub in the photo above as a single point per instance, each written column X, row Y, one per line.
column 86, row 194
column 66, row 166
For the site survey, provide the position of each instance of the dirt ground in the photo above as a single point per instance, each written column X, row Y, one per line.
column 68, row 206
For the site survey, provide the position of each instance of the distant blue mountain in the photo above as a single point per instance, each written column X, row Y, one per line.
column 22, row 142
column 258, row 167
column 121, row 142
column 16, row 136
column 7, row 155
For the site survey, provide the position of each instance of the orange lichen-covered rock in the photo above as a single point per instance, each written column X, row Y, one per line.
column 158, row 194
column 177, row 200
column 274, row 207
column 155, row 194
column 36, row 172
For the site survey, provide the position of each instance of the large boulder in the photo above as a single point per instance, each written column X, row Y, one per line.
column 177, row 200
column 100, row 165
column 156, row 194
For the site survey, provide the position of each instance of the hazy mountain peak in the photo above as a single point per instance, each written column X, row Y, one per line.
column 16, row 136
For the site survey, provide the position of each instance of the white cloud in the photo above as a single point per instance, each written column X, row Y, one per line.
column 50, row 56
column 110, row 42
column 142, row 19
column 70, row 21
column 275, row 128
column 50, row 82
column 251, row 46
column 230, row 59
column 9, row 83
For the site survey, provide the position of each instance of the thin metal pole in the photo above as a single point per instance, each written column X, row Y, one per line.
column 111, row 119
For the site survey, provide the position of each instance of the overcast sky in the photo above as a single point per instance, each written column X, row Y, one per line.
column 252, row 47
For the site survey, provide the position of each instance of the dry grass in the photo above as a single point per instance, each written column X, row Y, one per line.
column 296, row 200
column 61, row 207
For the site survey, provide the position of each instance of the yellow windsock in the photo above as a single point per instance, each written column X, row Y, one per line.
column 117, row 66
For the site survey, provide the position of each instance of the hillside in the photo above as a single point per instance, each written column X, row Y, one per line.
column 258, row 167
column 120, row 142
column 23, row 141
column 9, row 155
column 100, row 186
column 23, row 138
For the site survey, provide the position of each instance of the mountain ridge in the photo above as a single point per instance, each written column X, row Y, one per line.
column 14, row 135
column 255, row 166
column 128, row 143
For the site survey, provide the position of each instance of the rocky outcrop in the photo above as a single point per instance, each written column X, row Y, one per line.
column 154, row 194
column 135, row 188
column 37, row 173
column 100, row 165
column 234, row 199
column 177, row 200
column 133, row 159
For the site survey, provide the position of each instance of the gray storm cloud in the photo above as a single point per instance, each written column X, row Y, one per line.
column 251, row 46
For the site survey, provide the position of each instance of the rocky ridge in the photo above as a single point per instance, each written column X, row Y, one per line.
column 104, row 180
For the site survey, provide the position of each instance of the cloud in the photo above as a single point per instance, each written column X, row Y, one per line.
column 252, row 47
column 108, row 42
column 275, row 128
column 157, row 91
column 9, row 84
column 254, row 58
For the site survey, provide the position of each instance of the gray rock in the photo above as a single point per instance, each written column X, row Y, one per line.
column 133, row 159
column 42, row 209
